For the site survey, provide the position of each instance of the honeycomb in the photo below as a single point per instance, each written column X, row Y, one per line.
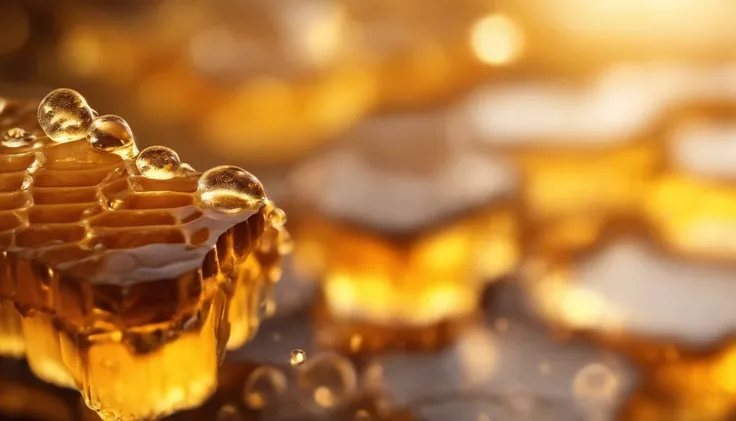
column 126, row 287
column 422, row 227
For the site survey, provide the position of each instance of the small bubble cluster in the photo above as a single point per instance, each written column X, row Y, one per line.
column 64, row 115
column 110, row 133
column 158, row 162
column 229, row 189
column 17, row 137
column 297, row 357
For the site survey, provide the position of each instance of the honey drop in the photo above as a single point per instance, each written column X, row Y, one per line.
column 263, row 387
column 297, row 357
column 17, row 137
column 64, row 115
column 277, row 217
column 158, row 162
column 110, row 133
column 230, row 190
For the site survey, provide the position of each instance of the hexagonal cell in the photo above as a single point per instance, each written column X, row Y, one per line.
column 117, row 288
column 52, row 196
column 14, row 200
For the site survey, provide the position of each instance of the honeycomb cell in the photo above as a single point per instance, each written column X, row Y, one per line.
column 102, row 284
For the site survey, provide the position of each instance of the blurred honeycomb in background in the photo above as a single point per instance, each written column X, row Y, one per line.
column 509, row 209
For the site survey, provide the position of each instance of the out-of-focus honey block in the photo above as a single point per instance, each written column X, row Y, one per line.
column 584, row 151
column 120, row 282
column 671, row 313
column 403, row 228
column 693, row 203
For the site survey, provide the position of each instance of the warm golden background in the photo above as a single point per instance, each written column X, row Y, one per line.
column 421, row 145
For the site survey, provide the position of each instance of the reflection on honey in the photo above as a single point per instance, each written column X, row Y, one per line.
column 402, row 245
column 629, row 291
column 693, row 203
column 109, row 278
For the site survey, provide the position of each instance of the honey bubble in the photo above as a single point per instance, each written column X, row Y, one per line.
column 327, row 381
column 229, row 189
column 297, row 357
column 64, row 115
column 158, row 162
column 277, row 217
column 17, row 137
column 264, row 387
column 110, row 133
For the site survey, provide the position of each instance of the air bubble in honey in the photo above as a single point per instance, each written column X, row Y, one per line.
column 17, row 137
column 277, row 217
column 327, row 380
column 64, row 115
column 297, row 357
column 110, row 133
column 230, row 190
column 158, row 162
column 595, row 383
column 264, row 387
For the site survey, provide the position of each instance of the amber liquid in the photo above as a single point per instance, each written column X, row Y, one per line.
column 411, row 290
column 73, row 222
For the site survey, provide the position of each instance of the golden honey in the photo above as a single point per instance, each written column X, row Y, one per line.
column 126, row 287
column 670, row 312
column 403, row 231
column 693, row 202
column 583, row 152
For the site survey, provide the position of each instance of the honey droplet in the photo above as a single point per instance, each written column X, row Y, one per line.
column 158, row 162
column 17, row 137
column 297, row 357
column 110, row 133
column 327, row 380
column 230, row 190
column 263, row 387
column 277, row 217
column 64, row 115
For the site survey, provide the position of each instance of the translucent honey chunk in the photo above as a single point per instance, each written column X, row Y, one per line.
column 103, row 282
column 11, row 331
column 621, row 289
column 402, row 238
column 692, row 204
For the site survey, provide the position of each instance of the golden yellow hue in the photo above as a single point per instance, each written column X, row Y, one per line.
column 116, row 284
column 497, row 40
column 374, row 283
